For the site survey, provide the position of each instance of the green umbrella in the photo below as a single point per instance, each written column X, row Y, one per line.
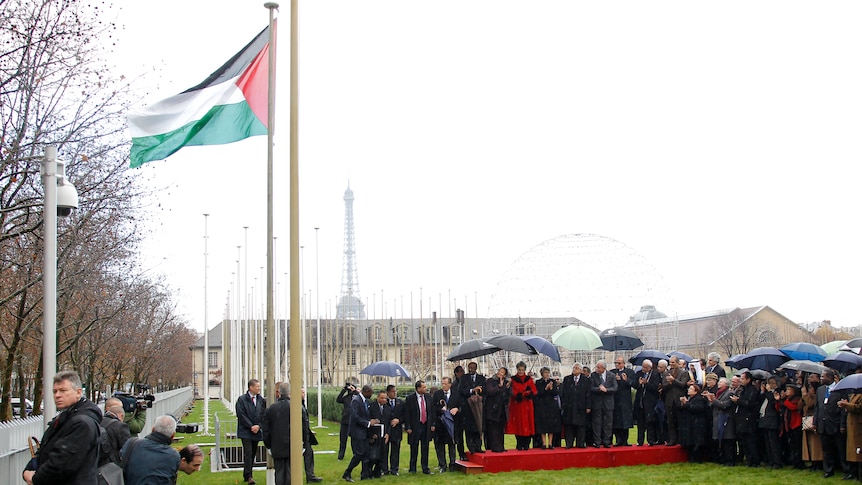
column 833, row 346
column 574, row 337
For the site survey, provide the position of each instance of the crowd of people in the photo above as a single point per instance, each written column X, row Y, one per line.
column 82, row 444
column 753, row 419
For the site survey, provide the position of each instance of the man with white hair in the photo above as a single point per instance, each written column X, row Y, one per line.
column 152, row 460
column 647, row 384
column 603, row 385
column 713, row 365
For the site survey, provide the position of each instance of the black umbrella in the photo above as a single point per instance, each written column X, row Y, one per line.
column 619, row 338
column 756, row 374
column 385, row 368
column 681, row 356
column 471, row 349
column 763, row 358
column 852, row 384
column 542, row 346
column 843, row 362
column 511, row 343
column 653, row 355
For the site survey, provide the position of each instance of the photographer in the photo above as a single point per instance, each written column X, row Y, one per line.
column 344, row 397
column 136, row 420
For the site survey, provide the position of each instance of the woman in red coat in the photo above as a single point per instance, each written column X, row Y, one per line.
column 521, row 413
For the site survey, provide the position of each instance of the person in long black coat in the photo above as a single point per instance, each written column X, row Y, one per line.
column 380, row 410
column 446, row 401
column 745, row 417
column 547, row 408
column 249, row 411
column 694, row 431
column 344, row 398
column 459, row 418
column 497, row 393
column 575, row 397
column 360, row 422
column 471, row 384
column 831, row 423
column 623, row 406
column 275, row 431
column 648, row 383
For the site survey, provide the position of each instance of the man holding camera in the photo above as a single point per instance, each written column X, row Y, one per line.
column 344, row 398
column 249, row 412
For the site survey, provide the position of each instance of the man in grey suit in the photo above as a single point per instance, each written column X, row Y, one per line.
column 603, row 385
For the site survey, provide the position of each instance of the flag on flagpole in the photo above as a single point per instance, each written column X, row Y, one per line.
column 228, row 106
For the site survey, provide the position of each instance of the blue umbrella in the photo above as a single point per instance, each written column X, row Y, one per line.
column 843, row 362
column 449, row 422
column 386, row 368
column 542, row 346
column 763, row 358
column 852, row 384
column 731, row 361
column 653, row 355
column 681, row 355
column 804, row 351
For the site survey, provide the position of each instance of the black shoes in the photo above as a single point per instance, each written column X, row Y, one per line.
column 313, row 479
column 828, row 474
column 427, row 472
column 848, row 476
column 347, row 478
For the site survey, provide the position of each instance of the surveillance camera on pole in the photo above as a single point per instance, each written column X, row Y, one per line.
column 67, row 194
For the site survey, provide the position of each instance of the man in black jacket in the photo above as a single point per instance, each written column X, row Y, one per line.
column 470, row 386
column 419, row 423
column 396, row 430
column 647, row 383
column 745, row 418
column 360, row 421
column 575, row 396
column 69, row 450
column 831, row 424
column 344, row 398
column 275, row 430
column 249, row 411
column 446, row 407
column 117, row 432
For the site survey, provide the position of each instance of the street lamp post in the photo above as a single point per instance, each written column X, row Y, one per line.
column 58, row 192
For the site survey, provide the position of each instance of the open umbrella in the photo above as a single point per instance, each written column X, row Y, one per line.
column 681, row 356
column 833, row 346
column 731, row 361
column 804, row 351
column 511, row 343
column 471, row 349
column 542, row 346
column 757, row 374
column 575, row 337
column 843, row 362
column 763, row 358
column 619, row 338
column 853, row 345
column 653, row 355
column 802, row 366
column 385, row 368
column 851, row 384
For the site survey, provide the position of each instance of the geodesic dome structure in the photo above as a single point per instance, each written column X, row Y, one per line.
column 580, row 279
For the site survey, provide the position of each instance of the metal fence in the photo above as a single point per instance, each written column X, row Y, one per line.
column 227, row 453
column 14, row 452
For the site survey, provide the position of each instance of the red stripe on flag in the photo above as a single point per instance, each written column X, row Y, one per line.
column 253, row 84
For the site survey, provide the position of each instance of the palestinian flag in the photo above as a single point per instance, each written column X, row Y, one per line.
column 230, row 105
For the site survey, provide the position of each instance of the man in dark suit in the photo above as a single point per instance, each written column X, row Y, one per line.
column 459, row 418
column 603, row 385
column 647, row 384
column 471, row 385
column 713, row 365
column 623, row 409
column 360, row 422
column 675, row 386
column 419, row 423
column 381, row 411
column 831, row 423
column 344, row 398
column 396, row 429
column 745, row 418
column 575, row 396
column 445, row 403
column 249, row 411
column 275, row 428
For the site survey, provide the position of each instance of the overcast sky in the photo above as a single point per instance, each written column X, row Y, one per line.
column 718, row 140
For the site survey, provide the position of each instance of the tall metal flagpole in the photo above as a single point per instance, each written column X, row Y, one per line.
column 317, row 311
column 270, row 322
column 296, row 384
column 206, row 363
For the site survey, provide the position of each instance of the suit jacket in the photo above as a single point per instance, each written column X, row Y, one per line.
column 359, row 418
column 465, row 389
column 718, row 370
column 747, row 409
column 275, row 428
column 412, row 419
column 603, row 400
column 384, row 415
column 646, row 395
column 248, row 415
column 576, row 399
column 397, row 412
column 672, row 391
column 828, row 417
column 439, row 401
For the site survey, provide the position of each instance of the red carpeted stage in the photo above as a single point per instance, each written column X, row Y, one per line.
column 562, row 458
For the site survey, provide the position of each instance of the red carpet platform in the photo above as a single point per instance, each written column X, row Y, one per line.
column 562, row 458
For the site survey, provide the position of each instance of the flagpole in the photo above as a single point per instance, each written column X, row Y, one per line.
column 206, row 362
column 296, row 376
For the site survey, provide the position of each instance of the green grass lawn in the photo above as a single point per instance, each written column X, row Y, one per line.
column 328, row 467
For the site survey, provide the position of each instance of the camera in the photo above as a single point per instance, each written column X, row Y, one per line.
column 139, row 401
column 67, row 199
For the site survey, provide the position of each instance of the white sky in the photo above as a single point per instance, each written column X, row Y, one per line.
column 717, row 139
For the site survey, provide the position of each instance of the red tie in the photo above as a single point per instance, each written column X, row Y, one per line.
column 422, row 416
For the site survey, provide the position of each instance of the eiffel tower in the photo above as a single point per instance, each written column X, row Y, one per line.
column 350, row 306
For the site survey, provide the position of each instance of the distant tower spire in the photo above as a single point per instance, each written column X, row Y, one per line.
column 350, row 306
